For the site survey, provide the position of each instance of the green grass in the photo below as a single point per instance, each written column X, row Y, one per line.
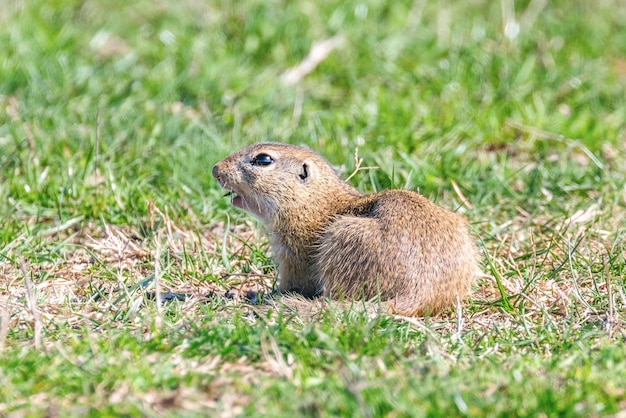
column 113, row 113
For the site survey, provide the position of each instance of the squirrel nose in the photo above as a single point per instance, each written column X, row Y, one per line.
column 215, row 171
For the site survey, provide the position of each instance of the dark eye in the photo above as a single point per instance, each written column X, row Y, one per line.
column 262, row 159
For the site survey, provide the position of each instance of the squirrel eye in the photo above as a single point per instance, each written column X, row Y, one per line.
column 262, row 159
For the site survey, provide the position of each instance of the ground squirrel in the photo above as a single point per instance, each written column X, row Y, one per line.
column 328, row 238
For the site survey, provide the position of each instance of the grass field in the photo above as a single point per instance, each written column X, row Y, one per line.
column 113, row 113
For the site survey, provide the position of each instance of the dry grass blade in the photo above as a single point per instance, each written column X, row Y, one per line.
column 611, row 318
column 460, row 194
column 538, row 133
column 318, row 53
column 275, row 359
column 357, row 165
column 510, row 26
column 532, row 12
column 32, row 304
column 4, row 324
column 157, row 280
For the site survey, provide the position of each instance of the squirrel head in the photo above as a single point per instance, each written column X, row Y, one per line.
column 273, row 180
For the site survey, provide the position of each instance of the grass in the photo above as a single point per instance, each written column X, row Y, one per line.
column 113, row 113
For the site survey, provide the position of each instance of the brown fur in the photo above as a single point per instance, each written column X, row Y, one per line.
column 328, row 238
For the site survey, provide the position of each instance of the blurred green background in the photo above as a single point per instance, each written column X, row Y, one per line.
column 106, row 105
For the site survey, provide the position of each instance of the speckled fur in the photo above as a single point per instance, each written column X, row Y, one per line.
column 328, row 238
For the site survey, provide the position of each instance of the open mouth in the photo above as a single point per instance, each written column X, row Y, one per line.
column 235, row 199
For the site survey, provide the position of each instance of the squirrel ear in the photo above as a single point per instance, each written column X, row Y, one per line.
column 304, row 173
